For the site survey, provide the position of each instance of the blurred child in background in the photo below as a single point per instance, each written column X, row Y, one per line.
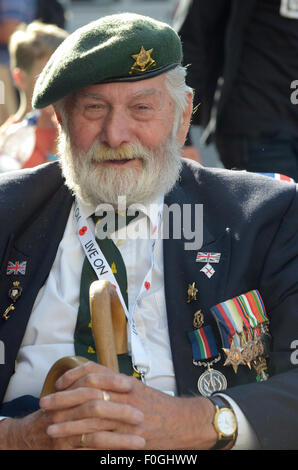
column 28, row 138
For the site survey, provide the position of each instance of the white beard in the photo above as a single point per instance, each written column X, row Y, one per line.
column 94, row 183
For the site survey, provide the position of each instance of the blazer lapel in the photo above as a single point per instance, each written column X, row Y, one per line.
column 182, row 270
column 27, row 261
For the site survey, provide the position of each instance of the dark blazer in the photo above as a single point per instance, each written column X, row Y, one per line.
column 250, row 219
column 212, row 38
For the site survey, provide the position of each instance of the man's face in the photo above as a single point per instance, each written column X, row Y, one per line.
column 119, row 137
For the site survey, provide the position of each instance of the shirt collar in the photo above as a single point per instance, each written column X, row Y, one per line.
column 151, row 209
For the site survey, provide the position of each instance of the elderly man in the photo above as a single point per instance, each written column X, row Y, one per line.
column 212, row 326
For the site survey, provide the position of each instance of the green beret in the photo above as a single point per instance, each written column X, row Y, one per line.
column 122, row 47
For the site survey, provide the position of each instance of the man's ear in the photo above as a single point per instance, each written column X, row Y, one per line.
column 57, row 116
column 185, row 121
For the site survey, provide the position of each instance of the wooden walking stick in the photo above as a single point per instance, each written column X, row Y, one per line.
column 108, row 323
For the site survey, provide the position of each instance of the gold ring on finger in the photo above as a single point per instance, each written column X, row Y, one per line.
column 106, row 396
column 83, row 440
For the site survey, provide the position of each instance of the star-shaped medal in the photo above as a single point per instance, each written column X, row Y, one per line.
column 247, row 351
column 234, row 357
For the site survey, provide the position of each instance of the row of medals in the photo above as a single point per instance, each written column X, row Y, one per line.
column 250, row 353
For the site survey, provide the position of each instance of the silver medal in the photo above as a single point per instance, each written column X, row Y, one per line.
column 211, row 381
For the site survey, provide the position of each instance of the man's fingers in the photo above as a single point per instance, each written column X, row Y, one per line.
column 99, row 440
column 113, row 441
column 77, row 428
column 99, row 409
column 70, row 398
column 114, row 383
column 88, row 425
column 96, row 434
column 98, row 376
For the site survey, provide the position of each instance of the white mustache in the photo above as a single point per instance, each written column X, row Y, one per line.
column 100, row 152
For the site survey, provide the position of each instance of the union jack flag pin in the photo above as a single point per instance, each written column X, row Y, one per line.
column 17, row 267
column 205, row 257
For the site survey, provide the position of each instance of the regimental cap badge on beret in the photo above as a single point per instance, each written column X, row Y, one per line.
column 143, row 60
column 123, row 47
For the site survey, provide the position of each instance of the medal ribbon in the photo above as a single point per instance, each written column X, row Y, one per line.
column 203, row 343
column 244, row 311
column 252, row 308
column 256, row 303
column 231, row 308
column 236, row 321
column 226, row 328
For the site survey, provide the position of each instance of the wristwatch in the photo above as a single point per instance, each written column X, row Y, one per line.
column 224, row 422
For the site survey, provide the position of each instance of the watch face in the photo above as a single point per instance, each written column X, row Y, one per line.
column 226, row 422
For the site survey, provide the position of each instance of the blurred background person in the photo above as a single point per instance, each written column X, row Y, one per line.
column 243, row 60
column 12, row 13
column 28, row 138
column 51, row 12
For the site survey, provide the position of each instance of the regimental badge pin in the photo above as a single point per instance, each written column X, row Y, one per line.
column 198, row 319
column 143, row 60
column 15, row 292
column 192, row 292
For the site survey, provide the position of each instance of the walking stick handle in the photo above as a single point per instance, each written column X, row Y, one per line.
column 108, row 323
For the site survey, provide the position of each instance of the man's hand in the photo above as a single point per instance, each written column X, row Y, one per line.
column 77, row 412
column 169, row 422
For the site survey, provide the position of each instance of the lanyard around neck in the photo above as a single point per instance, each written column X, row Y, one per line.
column 103, row 271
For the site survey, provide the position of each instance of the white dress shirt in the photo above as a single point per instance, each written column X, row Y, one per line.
column 50, row 330
column 43, row 344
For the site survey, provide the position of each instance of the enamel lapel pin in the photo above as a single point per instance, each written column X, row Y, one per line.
column 208, row 259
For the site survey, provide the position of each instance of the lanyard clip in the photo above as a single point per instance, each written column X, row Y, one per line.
column 140, row 373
